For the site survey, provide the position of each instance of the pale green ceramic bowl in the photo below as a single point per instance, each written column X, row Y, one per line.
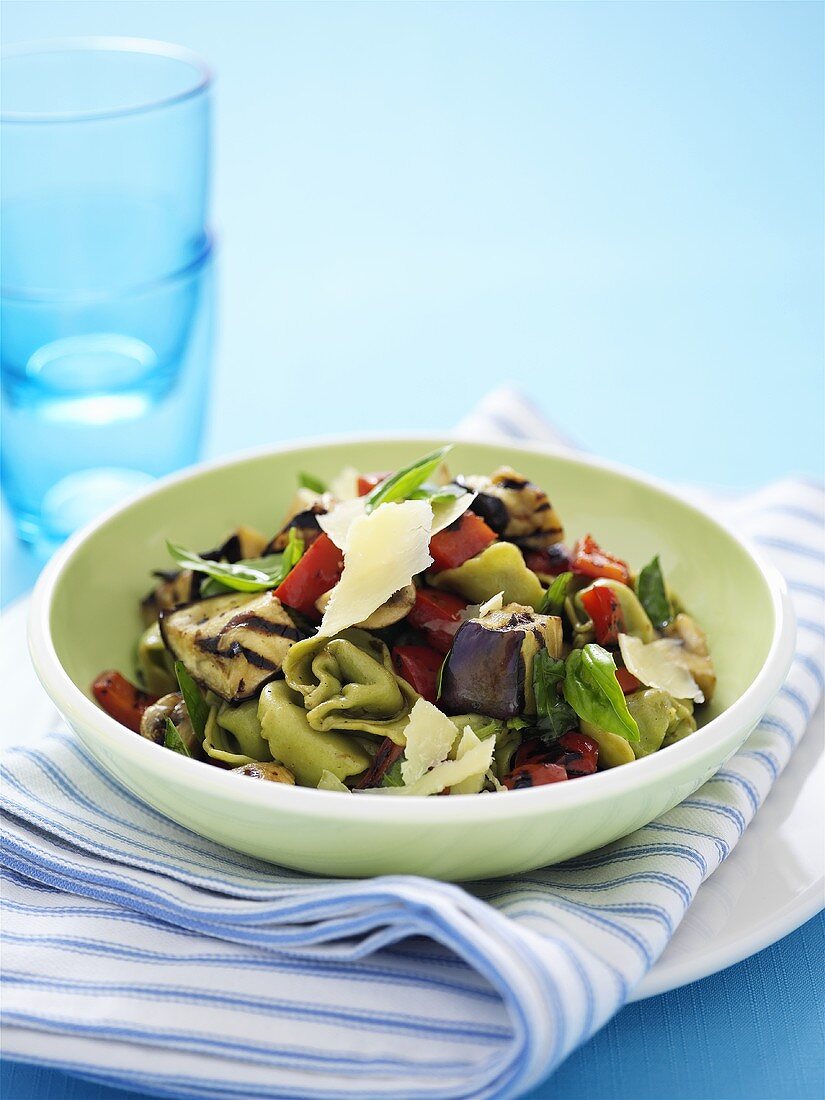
column 85, row 618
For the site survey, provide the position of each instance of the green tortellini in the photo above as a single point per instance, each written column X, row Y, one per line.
column 155, row 662
column 306, row 751
column 348, row 683
column 500, row 567
column 662, row 720
column 233, row 735
column 636, row 619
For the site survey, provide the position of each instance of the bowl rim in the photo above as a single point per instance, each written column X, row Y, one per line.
column 81, row 711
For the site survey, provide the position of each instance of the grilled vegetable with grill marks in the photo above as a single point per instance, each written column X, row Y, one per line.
column 489, row 669
column 515, row 509
column 231, row 644
column 302, row 517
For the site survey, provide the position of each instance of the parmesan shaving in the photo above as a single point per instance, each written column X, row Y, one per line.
column 446, row 512
column 345, row 485
column 473, row 783
column 430, row 735
column 384, row 551
column 658, row 664
column 330, row 782
column 452, row 773
column 337, row 522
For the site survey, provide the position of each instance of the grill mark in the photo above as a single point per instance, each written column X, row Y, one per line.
column 259, row 625
column 513, row 483
column 257, row 660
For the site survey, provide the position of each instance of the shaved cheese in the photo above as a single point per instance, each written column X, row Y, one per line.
column 446, row 512
column 452, row 773
column 337, row 522
column 495, row 603
column 430, row 735
column 473, row 783
column 659, row 665
column 330, row 782
column 384, row 551
column 345, row 485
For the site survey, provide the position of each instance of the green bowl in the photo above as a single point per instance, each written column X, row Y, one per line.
column 84, row 618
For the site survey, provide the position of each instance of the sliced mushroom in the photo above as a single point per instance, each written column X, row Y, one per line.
column 695, row 655
column 302, row 516
column 172, row 708
column 231, row 644
column 269, row 771
column 515, row 508
column 489, row 669
column 396, row 608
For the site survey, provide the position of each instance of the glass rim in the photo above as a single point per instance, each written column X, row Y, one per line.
column 43, row 295
column 113, row 44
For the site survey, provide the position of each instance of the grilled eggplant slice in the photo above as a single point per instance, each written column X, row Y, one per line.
column 516, row 509
column 302, row 517
column 489, row 669
column 232, row 644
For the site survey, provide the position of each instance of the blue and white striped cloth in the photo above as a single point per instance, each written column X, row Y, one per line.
column 138, row 954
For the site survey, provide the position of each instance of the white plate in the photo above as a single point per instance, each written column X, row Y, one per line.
column 772, row 883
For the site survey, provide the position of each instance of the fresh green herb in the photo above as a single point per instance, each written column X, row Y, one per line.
column 252, row 575
column 439, row 678
column 404, row 482
column 650, row 588
column 548, row 673
column 592, row 690
column 196, row 705
column 552, row 602
column 174, row 741
column 437, row 494
column 555, row 716
column 516, row 724
column 559, row 720
column 309, row 481
column 392, row 776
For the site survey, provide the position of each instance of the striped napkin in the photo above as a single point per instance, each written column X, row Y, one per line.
column 138, row 954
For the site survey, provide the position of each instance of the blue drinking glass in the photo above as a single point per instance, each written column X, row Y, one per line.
column 106, row 261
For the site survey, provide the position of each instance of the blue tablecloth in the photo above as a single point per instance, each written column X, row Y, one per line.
column 753, row 1032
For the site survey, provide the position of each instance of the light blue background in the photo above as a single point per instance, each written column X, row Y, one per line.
column 617, row 206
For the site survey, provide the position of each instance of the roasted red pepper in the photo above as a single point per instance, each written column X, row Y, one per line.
column 122, row 699
column 437, row 615
column 534, row 775
column 367, row 482
column 419, row 665
column 460, row 541
column 316, row 572
column 627, row 681
column 387, row 754
column 602, row 605
column 550, row 562
column 577, row 754
column 589, row 559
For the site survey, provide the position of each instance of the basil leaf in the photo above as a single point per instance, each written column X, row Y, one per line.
column 650, row 588
column 404, row 482
column 196, row 705
column 309, row 481
column 392, row 776
column 437, row 494
column 174, row 741
column 559, row 720
column 592, row 690
column 552, row 602
column 252, row 575
column 548, row 673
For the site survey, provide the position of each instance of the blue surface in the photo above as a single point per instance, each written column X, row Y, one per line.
column 618, row 207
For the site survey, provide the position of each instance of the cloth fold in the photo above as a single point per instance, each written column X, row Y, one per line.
column 138, row 954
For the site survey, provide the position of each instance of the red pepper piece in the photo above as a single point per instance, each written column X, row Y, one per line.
column 419, row 666
column 388, row 753
column 437, row 615
column 580, row 754
column 460, row 541
column 122, row 699
column 316, row 572
column 590, row 560
column 627, row 681
column 602, row 605
column 550, row 562
column 367, row 482
column 534, row 775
